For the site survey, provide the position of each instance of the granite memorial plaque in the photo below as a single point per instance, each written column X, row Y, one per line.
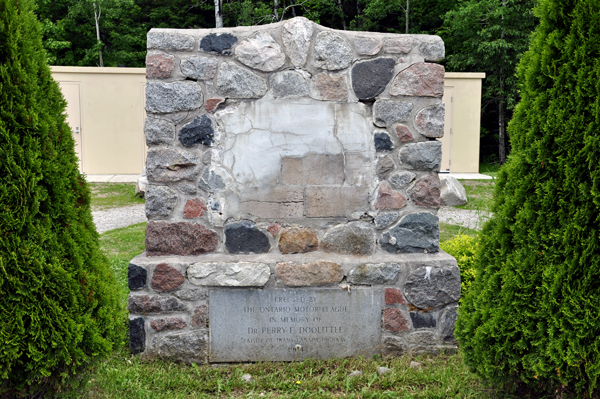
column 293, row 324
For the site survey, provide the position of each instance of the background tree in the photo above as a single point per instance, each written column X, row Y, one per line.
column 59, row 306
column 531, row 316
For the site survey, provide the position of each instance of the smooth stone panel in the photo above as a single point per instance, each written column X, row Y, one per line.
column 293, row 324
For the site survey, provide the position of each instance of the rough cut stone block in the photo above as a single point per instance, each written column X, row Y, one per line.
column 244, row 237
column 227, row 274
column 234, row 81
column 367, row 45
column 370, row 78
column 422, row 320
column 159, row 66
column 421, row 79
column 189, row 347
column 384, row 220
column 193, row 294
column 166, row 278
column 168, row 323
column 385, row 165
column 359, row 168
column 170, row 41
column 401, row 45
column 194, row 208
column 160, row 201
column 289, row 84
column 422, row 156
column 432, row 49
column 213, row 103
column 447, row 322
column 169, row 164
column 394, row 320
column 335, row 201
column 332, row 88
column 426, row 191
column 199, row 317
column 383, row 142
column 388, row 198
column 332, row 51
column 181, row 238
column 452, row 192
column 394, row 296
column 312, row 274
column 198, row 131
column 404, row 133
column 295, row 240
column 260, row 52
column 218, row 43
column 143, row 304
column 430, row 121
column 162, row 98
column 137, row 335
column 374, row 273
column 354, row 238
column 400, row 180
column 386, row 112
column 136, row 277
column 313, row 169
column 417, row 232
column 433, row 287
column 277, row 203
column 199, row 68
column 158, row 131
column 296, row 35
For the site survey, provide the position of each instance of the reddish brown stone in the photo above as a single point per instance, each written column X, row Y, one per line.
column 421, row 79
column 298, row 240
column 159, row 65
column 332, row 88
column 404, row 133
column 166, row 278
column 394, row 320
column 274, row 229
column 170, row 323
column 316, row 273
column 213, row 103
column 181, row 238
column 194, row 208
column 394, row 295
column 199, row 317
column 426, row 191
column 388, row 198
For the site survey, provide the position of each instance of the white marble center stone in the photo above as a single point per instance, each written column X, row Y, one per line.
column 260, row 133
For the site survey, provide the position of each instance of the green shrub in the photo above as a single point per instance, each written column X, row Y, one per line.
column 59, row 304
column 532, row 315
column 464, row 248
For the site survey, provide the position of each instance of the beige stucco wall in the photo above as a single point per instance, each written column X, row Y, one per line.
column 107, row 105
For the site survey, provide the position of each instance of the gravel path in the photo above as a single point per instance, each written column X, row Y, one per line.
column 119, row 217
column 463, row 217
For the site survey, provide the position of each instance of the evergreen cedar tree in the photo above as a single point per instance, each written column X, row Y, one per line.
column 59, row 303
column 532, row 315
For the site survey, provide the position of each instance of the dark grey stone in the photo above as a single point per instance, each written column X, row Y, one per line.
column 144, row 304
column 387, row 112
column 433, row 287
column 401, row 179
column 158, row 131
column 199, row 68
column 214, row 205
column 447, row 322
column 164, row 97
column 189, row 347
column 170, row 41
column 137, row 335
column 374, row 273
column 218, row 43
column 354, row 238
column 383, row 142
column 370, row 78
column 422, row 156
column 244, row 237
column 234, row 81
column 188, row 189
column 422, row 320
column 384, row 220
column 433, row 49
column 160, row 201
column 211, row 181
column 198, row 131
column 289, row 84
column 136, row 277
column 416, row 232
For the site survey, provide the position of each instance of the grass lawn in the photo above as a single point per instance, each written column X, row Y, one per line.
column 113, row 195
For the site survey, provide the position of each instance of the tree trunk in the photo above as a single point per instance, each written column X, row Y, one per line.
column 339, row 3
column 97, row 14
column 407, row 13
column 276, row 9
column 219, row 13
column 501, row 116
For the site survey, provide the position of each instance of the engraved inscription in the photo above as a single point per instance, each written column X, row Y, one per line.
column 293, row 324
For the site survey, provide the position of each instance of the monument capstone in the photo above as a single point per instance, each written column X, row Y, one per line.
column 292, row 196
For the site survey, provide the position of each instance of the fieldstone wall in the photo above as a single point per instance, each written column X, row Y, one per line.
column 292, row 155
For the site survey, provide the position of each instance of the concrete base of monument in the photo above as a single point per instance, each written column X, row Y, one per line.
column 273, row 307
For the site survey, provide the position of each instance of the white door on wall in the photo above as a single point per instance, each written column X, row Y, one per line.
column 448, row 129
column 70, row 91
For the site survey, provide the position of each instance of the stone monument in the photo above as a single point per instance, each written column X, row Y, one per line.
column 292, row 196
